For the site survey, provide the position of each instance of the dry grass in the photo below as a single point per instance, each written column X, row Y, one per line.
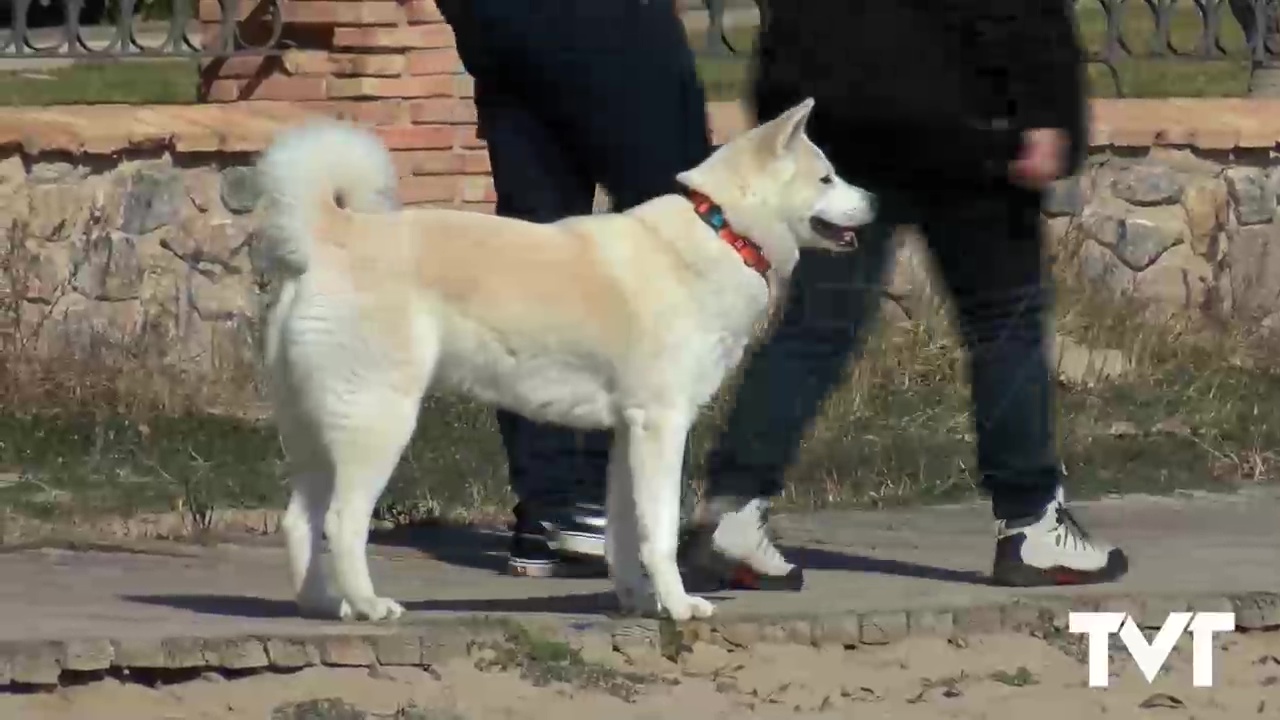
column 113, row 426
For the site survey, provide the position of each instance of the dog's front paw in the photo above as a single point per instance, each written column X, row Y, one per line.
column 376, row 609
column 690, row 607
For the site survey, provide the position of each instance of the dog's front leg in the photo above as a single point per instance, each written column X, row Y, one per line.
column 655, row 445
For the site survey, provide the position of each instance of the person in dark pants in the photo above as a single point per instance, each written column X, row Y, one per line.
column 957, row 115
column 571, row 94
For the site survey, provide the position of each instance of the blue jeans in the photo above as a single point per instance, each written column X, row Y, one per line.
column 571, row 93
column 989, row 251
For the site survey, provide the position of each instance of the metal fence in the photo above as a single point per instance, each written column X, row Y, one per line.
column 75, row 29
column 1134, row 30
column 108, row 29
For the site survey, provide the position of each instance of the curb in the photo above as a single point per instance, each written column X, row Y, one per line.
column 49, row 663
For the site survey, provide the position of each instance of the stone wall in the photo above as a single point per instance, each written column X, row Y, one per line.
column 134, row 224
column 134, row 237
column 1187, row 230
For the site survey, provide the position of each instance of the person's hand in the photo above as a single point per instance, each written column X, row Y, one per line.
column 1042, row 159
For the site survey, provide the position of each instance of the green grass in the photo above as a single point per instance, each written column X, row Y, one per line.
column 133, row 82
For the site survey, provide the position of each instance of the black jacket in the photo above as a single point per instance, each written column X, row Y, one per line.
column 923, row 92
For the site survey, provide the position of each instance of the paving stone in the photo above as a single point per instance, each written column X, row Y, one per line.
column 977, row 620
column 1155, row 610
column 291, row 653
column 398, row 649
column 1257, row 611
column 236, row 653
column 739, row 634
column 800, row 631
column 930, row 623
column 1021, row 617
column 36, row 663
column 346, row 651
column 137, row 653
column 87, row 655
column 882, row 628
column 181, row 653
column 1127, row 604
column 844, row 630
column 444, row 643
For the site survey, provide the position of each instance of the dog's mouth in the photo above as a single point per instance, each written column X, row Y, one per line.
column 841, row 235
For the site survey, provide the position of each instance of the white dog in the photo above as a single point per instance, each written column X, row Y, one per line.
column 628, row 321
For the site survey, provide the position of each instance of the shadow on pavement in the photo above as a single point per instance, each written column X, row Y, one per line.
column 484, row 549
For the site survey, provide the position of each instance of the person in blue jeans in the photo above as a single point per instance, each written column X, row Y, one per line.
column 956, row 115
column 571, row 94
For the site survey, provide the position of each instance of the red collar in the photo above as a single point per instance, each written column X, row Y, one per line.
column 713, row 215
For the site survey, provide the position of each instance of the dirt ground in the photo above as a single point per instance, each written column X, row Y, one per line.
column 996, row 677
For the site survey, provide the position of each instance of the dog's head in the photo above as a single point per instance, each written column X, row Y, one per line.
column 773, row 180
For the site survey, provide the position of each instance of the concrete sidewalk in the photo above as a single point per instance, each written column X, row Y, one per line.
column 1192, row 546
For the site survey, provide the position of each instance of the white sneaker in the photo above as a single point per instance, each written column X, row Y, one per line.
column 732, row 549
column 1053, row 549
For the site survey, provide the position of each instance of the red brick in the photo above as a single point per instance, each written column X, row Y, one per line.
column 487, row 208
column 342, row 13
column 417, row 137
column 366, row 65
column 428, row 189
column 464, row 86
column 422, row 11
column 475, row 162
column 478, row 189
column 442, row 110
column 306, row 62
column 367, row 112
column 276, row 87
column 428, row 162
column 468, row 139
column 401, row 87
column 400, row 38
column 441, row 61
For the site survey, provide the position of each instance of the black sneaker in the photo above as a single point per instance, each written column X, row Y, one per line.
column 1053, row 549
column 538, row 547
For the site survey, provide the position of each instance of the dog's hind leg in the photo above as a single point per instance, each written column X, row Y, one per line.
column 365, row 449
column 656, row 441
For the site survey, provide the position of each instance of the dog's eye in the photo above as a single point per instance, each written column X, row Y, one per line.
column 826, row 180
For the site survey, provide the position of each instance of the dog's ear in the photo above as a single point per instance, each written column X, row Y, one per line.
column 780, row 134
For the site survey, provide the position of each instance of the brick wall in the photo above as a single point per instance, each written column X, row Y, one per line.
column 389, row 64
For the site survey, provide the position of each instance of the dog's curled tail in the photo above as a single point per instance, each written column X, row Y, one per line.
column 320, row 165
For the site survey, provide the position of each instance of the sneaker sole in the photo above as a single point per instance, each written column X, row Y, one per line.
column 1018, row 574
column 583, row 545
column 554, row 569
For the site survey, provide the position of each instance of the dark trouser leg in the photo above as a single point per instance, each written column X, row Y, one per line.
column 613, row 86
column 990, row 253
column 537, row 180
column 832, row 303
